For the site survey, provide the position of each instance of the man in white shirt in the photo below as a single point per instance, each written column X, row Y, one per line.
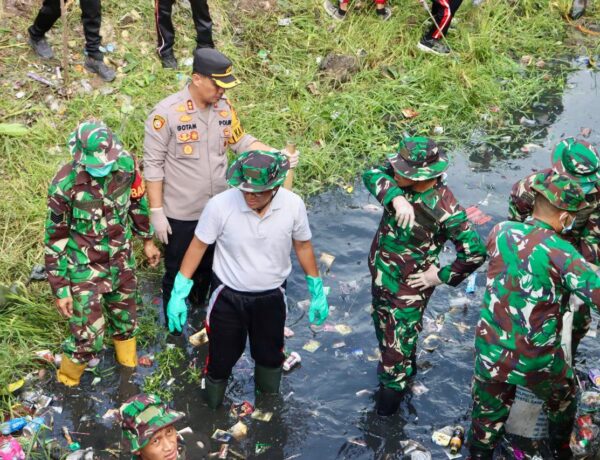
column 254, row 226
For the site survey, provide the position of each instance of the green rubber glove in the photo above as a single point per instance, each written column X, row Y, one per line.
column 177, row 308
column 319, row 309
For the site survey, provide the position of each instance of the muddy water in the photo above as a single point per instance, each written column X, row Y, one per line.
column 325, row 409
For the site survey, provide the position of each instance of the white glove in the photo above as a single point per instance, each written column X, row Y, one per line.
column 159, row 221
column 425, row 280
column 293, row 158
column 405, row 214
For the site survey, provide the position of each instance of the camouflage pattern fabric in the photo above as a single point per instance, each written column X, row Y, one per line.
column 419, row 158
column 531, row 273
column 143, row 415
column 93, row 144
column 397, row 253
column 257, row 171
column 88, row 248
column 578, row 159
column 585, row 235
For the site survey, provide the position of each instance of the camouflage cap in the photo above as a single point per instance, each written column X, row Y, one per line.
column 258, row 171
column 577, row 159
column 143, row 415
column 561, row 191
column 419, row 158
column 93, row 144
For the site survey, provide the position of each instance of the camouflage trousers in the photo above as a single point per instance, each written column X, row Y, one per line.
column 398, row 321
column 95, row 311
column 582, row 319
column 492, row 401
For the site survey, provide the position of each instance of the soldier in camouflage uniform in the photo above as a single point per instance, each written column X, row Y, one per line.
column 95, row 203
column 420, row 215
column 580, row 161
column 148, row 425
column 532, row 272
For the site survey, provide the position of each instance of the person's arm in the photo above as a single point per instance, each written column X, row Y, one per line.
column 306, row 257
column 520, row 202
column 589, row 245
column 192, row 258
column 577, row 274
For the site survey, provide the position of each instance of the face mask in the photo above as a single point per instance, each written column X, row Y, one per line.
column 569, row 227
column 103, row 171
column 588, row 187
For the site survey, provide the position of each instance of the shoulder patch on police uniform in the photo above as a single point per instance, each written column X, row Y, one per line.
column 237, row 131
column 158, row 122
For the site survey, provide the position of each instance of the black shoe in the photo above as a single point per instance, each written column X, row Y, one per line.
column 388, row 401
column 99, row 67
column 384, row 13
column 169, row 61
column 433, row 46
column 41, row 48
column 480, row 454
column 577, row 9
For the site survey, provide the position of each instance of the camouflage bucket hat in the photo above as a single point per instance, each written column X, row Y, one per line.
column 577, row 159
column 143, row 415
column 561, row 191
column 257, row 171
column 419, row 158
column 93, row 144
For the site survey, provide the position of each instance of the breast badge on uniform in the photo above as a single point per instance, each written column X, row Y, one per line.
column 188, row 149
column 183, row 137
column 223, row 113
column 227, row 132
column 185, row 118
column 194, row 135
column 158, row 122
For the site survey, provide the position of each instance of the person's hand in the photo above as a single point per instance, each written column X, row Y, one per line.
column 177, row 307
column 425, row 280
column 65, row 306
column 319, row 308
column 159, row 221
column 152, row 253
column 405, row 214
column 293, row 158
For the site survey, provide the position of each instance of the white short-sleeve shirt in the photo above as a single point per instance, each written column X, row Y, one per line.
column 253, row 253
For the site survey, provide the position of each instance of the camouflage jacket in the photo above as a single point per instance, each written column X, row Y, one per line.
column 532, row 272
column 396, row 252
column 585, row 235
column 90, row 222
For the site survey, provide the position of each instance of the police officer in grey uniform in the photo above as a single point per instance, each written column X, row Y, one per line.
column 186, row 139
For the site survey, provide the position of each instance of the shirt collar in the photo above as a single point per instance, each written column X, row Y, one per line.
column 538, row 223
column 276, row 203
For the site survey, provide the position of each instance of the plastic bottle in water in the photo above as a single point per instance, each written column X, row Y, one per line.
column 14, row 424
column 291, row 361
column 456, row 442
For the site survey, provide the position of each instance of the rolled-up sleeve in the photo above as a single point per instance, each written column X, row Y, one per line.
column 156, row 143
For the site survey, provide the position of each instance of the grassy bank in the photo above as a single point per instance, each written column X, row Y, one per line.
column 340, row 122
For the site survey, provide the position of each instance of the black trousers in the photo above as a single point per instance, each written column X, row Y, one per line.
column 233, row 316
column 443, row 11
column 179, row 240
column 165, row 31
column 91, row 18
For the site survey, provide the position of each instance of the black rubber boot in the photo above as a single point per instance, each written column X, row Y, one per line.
column 560, row 437
column 169, row 61
column 41, row 48
column 214, row 391
column 388, row 401
column 99, row 67
column 267, row 379
column 475, row 453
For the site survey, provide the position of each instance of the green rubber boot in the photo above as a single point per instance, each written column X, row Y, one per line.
column 267, row 379
column 214, row 391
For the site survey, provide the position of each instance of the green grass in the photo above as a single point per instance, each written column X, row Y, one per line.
column 339, row 131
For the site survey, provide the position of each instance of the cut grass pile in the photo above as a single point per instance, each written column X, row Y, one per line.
column 339, row 124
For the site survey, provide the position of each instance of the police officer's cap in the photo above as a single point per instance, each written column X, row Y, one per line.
column 215, row 65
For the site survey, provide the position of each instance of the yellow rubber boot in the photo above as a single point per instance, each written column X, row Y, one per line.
column 126, row 352
column 70, row 373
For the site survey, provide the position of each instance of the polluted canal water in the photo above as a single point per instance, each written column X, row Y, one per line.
column 326, row 406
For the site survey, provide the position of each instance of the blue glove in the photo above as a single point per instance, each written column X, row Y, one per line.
column 177, row 308
column 319, row 309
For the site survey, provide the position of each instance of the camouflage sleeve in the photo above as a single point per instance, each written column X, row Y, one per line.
column 58, row 222
column 139, row 211
column 520, row 202
column 578, row 276
column 470, row 250
column 240, row 140
column 381, row 184
column 589, row 245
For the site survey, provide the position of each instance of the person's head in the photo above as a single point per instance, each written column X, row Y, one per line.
column 148, row 424
column 579, row 160
column 95, row 147
column 418, row 162
column 558, row 199
column 258, row 175
column 212, row 74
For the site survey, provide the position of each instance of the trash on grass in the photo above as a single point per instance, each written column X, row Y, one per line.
column 291, row 361
column 284, row 22
column 146, row 361
column 409, row 113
